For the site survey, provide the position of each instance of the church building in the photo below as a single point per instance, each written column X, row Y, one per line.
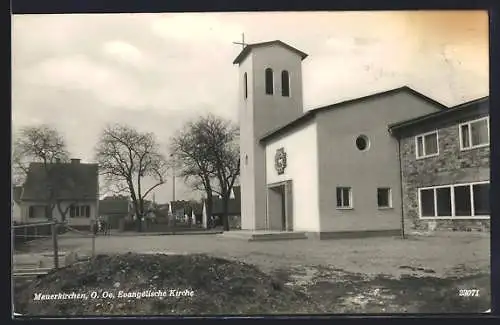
column 363, row 166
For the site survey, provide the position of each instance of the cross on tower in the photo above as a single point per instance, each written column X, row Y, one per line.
column 242, row 43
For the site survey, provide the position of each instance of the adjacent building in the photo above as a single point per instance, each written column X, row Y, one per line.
column 71, row 188
column 16, row 204
column 115, row 208
column 445, row 164
column 233, row 209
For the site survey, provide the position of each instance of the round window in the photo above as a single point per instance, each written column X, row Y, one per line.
column 362, row 142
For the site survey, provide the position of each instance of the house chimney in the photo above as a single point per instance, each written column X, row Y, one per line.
column 75, row 161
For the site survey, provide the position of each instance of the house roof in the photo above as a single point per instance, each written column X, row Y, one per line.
column 163, row 206
column 438, row 116
column 161, row 210
column 114, row 206
column 312, row 113
column 243, row 54
column 73, row 181
column 178, row 204
column 16, row 193
column 234, row 205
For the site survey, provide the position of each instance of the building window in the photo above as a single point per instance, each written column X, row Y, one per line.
column 245, row 85
column 38, row 211
column 474, row 134
column 460, row 201
column 427, row 145
column 285, row 83
column 384, row 198
column 481, row 199
column 362, row 143
column 269, row 81
column 79, row 211
column 344, row 198
column 427, row 203
column 443, row 201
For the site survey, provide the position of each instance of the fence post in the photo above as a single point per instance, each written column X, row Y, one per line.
column 93, row 244
column 93, row 232
column 54, row 242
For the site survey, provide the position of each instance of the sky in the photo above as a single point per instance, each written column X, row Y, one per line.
column 157, row 71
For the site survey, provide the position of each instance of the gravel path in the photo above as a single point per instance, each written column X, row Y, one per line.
column 443, row 255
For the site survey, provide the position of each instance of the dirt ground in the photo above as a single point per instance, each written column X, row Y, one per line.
column 376, row 275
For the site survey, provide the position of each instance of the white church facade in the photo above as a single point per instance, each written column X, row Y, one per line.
column 329, row 171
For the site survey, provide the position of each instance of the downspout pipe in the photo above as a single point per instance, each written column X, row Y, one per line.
column 401, row 189
column 400, row 182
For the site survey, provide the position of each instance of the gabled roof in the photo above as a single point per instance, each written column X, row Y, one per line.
column 312, row 113
column 243, row 54
column 114, row 205
column 436, row 116
column 234, row 205
column 72, row 181
column 16, row 193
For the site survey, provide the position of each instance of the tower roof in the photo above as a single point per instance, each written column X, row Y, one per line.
column 249, row 48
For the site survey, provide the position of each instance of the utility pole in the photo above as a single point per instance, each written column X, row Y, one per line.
column 173, row 178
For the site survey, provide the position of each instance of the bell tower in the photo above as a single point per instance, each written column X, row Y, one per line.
column 270, row 96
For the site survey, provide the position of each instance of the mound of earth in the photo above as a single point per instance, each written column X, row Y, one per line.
column 134, row 284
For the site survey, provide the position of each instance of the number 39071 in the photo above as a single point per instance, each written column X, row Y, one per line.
column 468, row 293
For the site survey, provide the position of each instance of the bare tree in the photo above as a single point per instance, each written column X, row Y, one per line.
column 210, row 155
column 45, row 145
column 126, row 157
column 189, row 158
column 224, row 155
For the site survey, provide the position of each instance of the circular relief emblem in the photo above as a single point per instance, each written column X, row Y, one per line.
column 280, row 161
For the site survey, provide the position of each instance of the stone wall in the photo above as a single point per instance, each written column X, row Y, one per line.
column 451, row 166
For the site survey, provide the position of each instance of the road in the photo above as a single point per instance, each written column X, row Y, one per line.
column 445, row 254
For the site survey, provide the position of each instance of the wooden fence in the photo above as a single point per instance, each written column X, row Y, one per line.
column 30, row 231
column 26, row 232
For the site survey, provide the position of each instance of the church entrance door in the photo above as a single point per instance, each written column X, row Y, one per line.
column 279, row 207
